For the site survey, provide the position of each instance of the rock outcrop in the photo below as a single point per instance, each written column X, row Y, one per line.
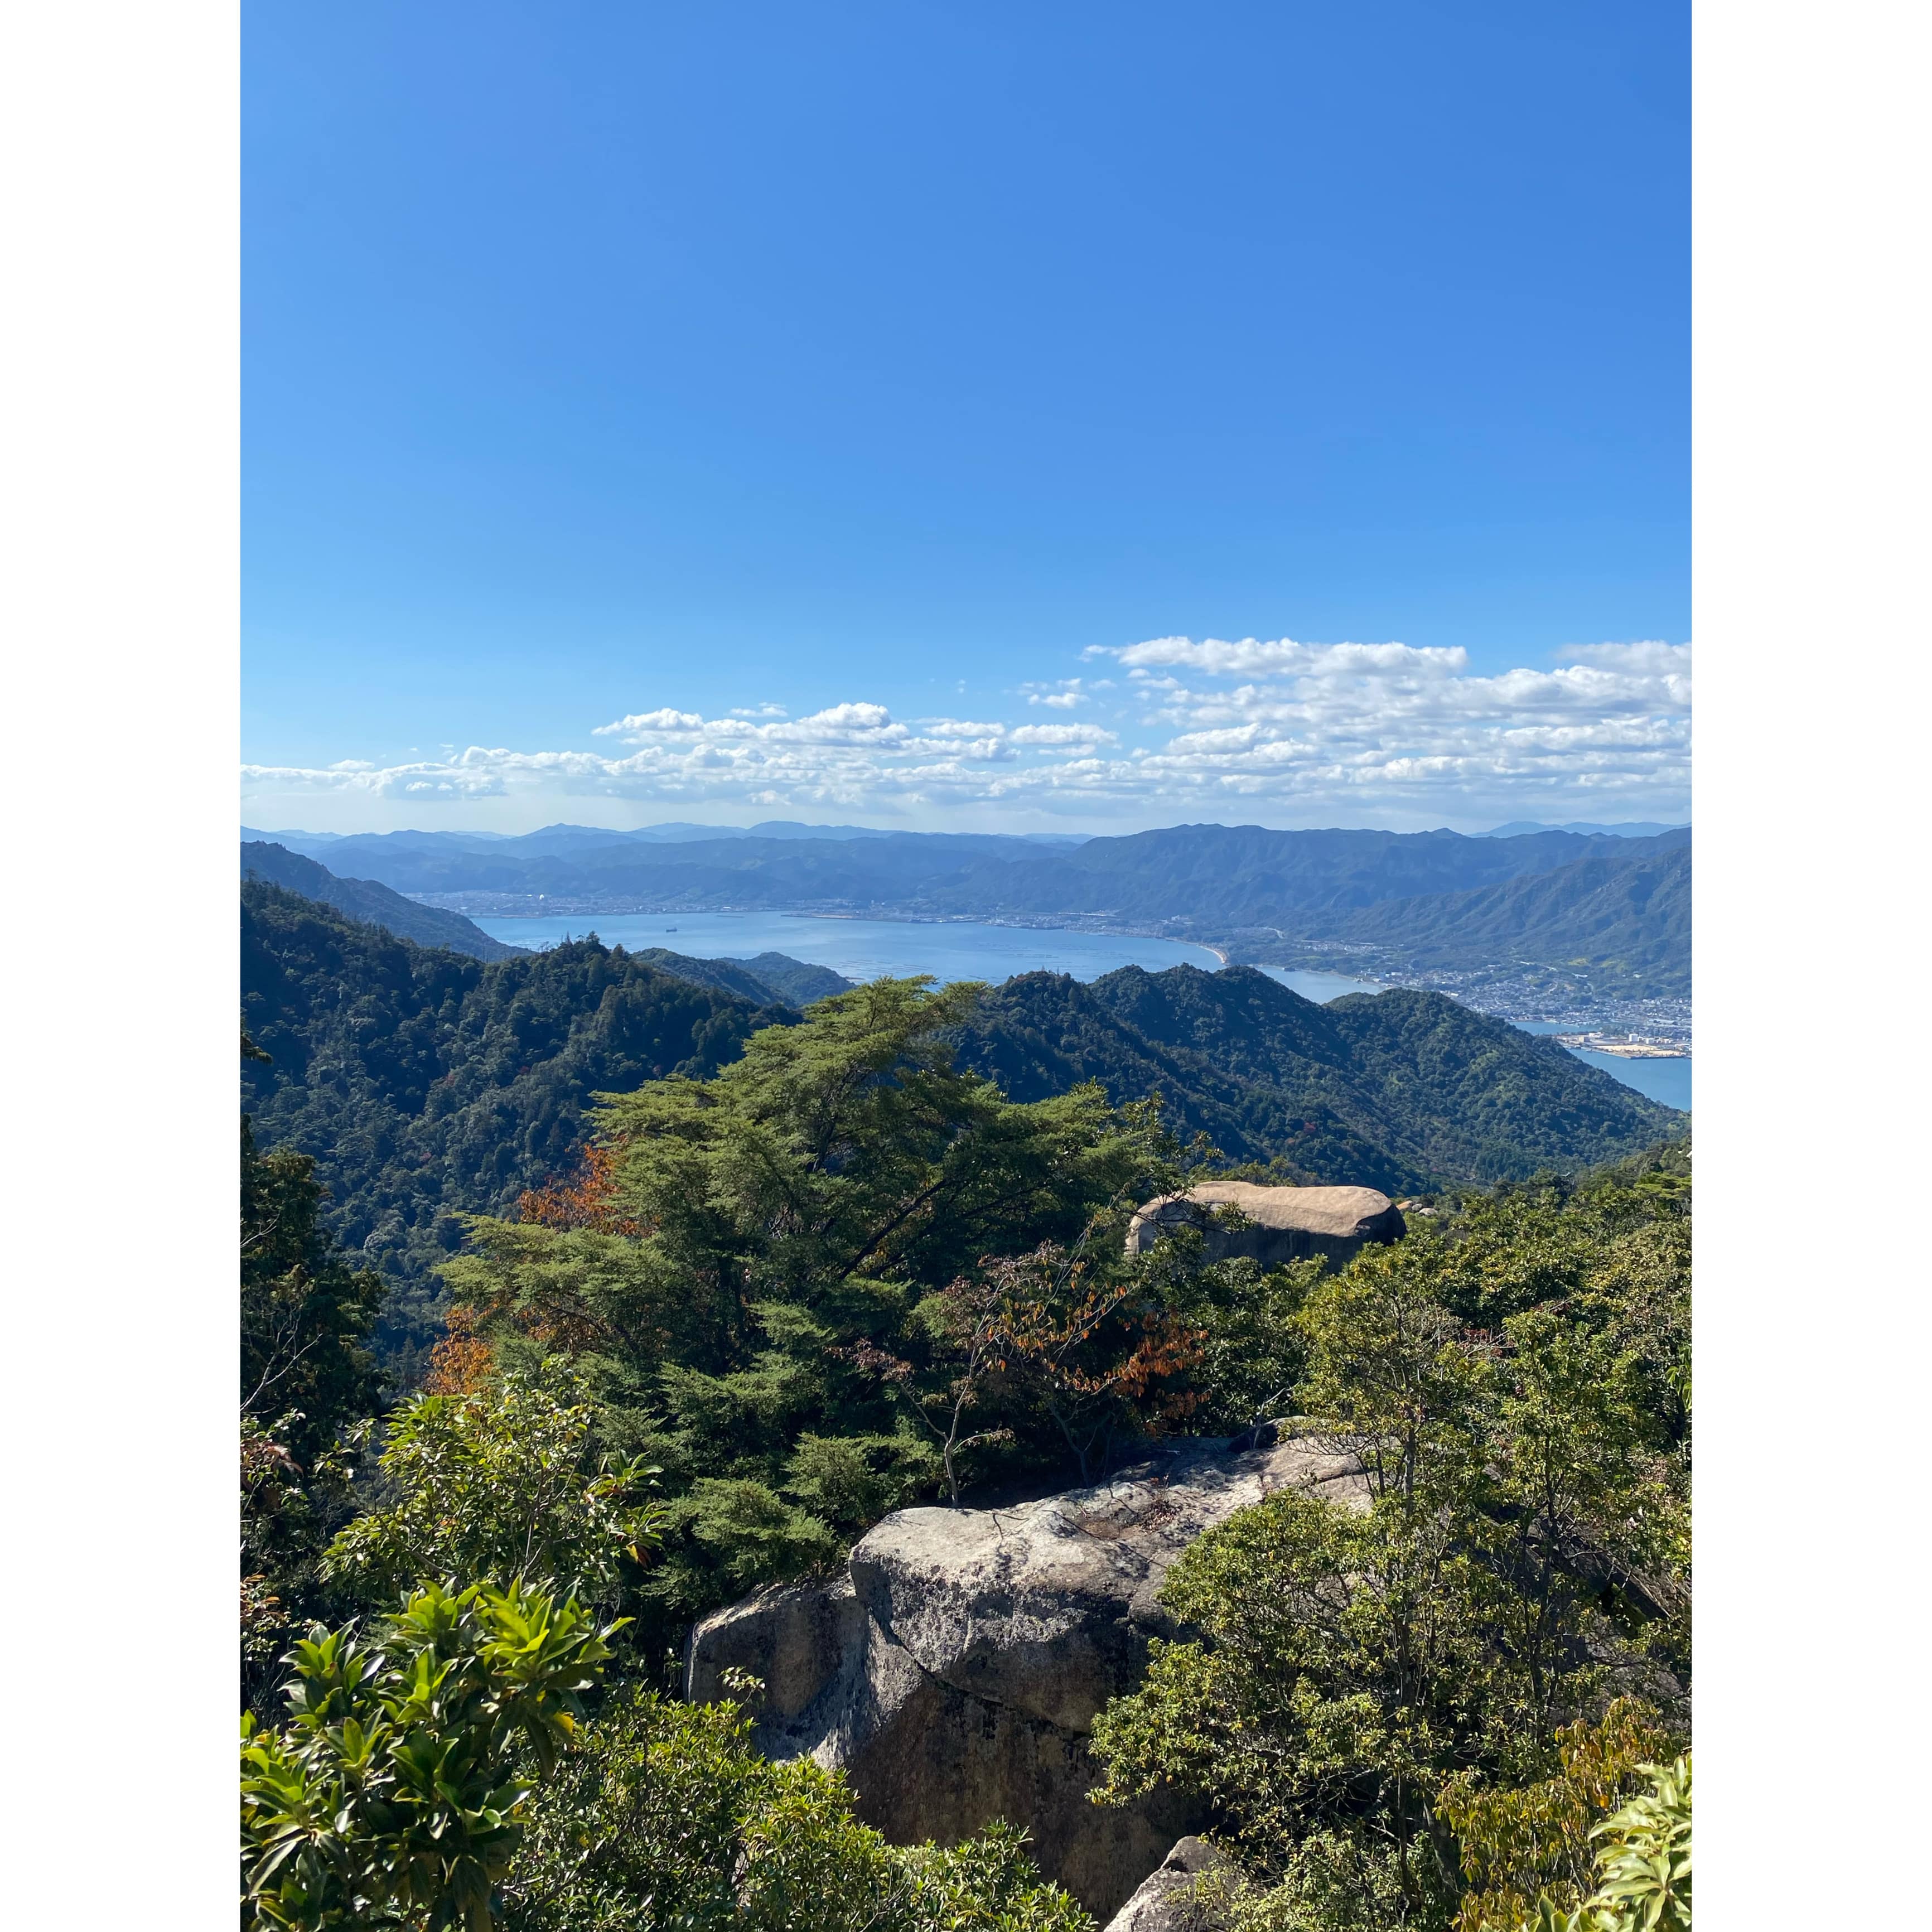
column 954, row 1670
column 1169, row 1900
column 1284, row 1224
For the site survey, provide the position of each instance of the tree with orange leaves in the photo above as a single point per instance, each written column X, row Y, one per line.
column 1086, row 1342
column 587, row 1198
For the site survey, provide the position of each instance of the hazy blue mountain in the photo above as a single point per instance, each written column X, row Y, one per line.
column 792, row 828
column 1633, row 828
column 1214, row 879
column 295, row 841
column 376, row 847
column 372, row 903
column 735, row 870
column 1211, row 878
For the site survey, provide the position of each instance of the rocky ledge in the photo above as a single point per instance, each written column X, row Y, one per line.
column 1279, row 1224
column 954, row 1669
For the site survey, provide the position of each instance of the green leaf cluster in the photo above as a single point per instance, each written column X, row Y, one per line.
column 1530, row 1848
column 1645, row 1861
column 394, row 1793
column 505, row 1483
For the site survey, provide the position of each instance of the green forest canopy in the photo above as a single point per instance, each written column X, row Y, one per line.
column 426, row 1086
column 726, row 1348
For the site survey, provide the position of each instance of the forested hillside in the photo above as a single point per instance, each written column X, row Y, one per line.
column 372, row 904
column 1623, row 918
column 1403, row 1090
column 839, row 1276
column 764, row 979
column 1220, row 879
column 425, row 1083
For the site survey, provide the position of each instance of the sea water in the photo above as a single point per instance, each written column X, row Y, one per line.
column 864, row 948
column 1668, row 1081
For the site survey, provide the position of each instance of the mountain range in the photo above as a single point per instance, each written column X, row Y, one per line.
column 1402, row 1090
column 1625, row 921
column 770, row 978
column 562, row 837
column 1627, row 828
column 1538, row 919
column 1224, row 876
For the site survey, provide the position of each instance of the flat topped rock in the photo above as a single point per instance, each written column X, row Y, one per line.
column 1289, row 1223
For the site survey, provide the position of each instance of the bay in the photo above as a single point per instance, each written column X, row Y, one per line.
column 1319, row 987
column 1668, row 1081
column 864, row 948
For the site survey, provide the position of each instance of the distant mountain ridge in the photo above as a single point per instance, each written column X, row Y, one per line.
column 1212, row 879
column 564, row 837
column 1629, row 828
column 1606, row 939
column 374, row 904
column 772, row 978
column 1625, row 919
column 1633, row 912
column 1209, row 876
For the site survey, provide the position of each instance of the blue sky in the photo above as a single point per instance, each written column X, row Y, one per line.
column 1010, row 410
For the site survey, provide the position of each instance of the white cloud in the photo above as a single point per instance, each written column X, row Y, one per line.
column 1286, row 659
column 1364, row 731
column 1061, row 695
column 650, row 721
column 1088, row 736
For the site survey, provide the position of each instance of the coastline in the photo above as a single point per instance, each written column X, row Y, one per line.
column 1621, row 1036
column 1622, row 1049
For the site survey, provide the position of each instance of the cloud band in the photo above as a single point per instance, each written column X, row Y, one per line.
column 1209, row 727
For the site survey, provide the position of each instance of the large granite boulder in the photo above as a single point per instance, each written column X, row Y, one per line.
column 1171, row 1899
column 954, row 1669
column 1283, row 1224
